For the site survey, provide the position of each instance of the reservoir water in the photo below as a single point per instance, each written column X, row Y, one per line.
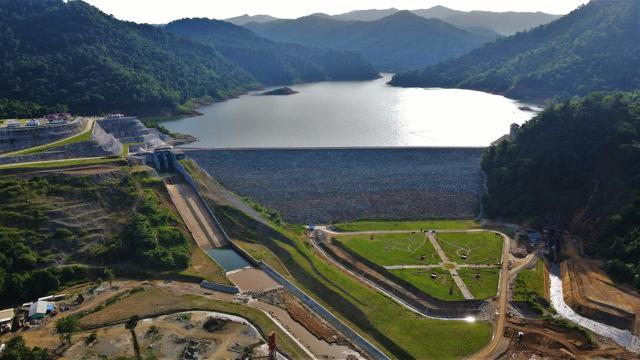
column 354, row 114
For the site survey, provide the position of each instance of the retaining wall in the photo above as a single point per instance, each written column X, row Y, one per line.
column 100, row 144
column 351, row 334
column 219, row 287
column 131, row 130
column 13, row 139
column 431, row 306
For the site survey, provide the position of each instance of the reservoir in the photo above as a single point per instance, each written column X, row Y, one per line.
column 354, row 114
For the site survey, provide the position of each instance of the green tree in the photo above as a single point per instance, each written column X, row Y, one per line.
column 16, row 349
column 65, row 327
column 131, row 326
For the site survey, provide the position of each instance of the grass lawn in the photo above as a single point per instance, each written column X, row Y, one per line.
column 484, row 287
column 396, row 330
column 438, row 288
column 392, row 249
column 406, row 225
column 154, row 301
column 480, row 247
column 204, row 267
column 530, row 282
column 262, row 253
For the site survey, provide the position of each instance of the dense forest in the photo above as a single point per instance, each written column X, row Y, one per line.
column 57, row 55
column 577, row 164
column 594, row 48
column 274, row 63
column 397, row 42
column 48, row 236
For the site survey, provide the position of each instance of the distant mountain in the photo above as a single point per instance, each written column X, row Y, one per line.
column 56, row 55
column 594, row 48
column 275, row 63
column 397, row 42
column 365, row 15
column 245, row 19
column 505, row 23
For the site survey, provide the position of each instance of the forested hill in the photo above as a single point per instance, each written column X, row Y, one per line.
column 594, row 48
column 578, row 164
column 55, row 54
column 275, row 63
column 397, row 42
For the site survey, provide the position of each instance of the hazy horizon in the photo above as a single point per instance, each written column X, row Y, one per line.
column 164, row 11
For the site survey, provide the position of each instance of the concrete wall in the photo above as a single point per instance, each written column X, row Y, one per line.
column 13, row 139
column 100, row 144
column 219, row 287
column 131, row 130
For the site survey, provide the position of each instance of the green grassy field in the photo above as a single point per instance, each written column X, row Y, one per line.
column 484, row 287
column 438, row 288
column 396, row 330
column 392, row 249
column 406, row 225
column 530, row 282
column 480, row 247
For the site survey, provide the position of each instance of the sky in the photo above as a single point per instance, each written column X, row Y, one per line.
column 163, row 11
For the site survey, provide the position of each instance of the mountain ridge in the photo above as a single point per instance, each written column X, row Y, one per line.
column 584, row 51
column 274, row 63
column 400, row 41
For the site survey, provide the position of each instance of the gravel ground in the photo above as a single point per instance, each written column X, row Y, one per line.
column 330, row 185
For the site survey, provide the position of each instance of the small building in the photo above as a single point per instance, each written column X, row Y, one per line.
column 6, row 320
column 33, row 122
column 13, row 123
column 40, row 309
column 513, row 131
column 60, row 118
column 56, row 297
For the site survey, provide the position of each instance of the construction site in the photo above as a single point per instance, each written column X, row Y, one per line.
column 257, row 286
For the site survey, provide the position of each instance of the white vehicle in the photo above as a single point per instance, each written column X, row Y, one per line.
column 33, row 122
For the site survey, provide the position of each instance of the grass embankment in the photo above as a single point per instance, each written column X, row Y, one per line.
column 152, row 302
column 392, row 249
column 202, row 266
column 530, row 282
column 406, row 225
column 65, row 163
column 396, row 330
column 479, row 247
column 484, row 287
column 438, row 287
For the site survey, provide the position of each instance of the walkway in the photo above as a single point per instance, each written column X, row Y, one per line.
column 454, row 273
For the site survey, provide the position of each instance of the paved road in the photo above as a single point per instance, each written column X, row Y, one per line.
column 438, row 266
column 497, row 341
column 454, row 273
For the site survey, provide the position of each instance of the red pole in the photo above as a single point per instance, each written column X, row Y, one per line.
column 272, row 346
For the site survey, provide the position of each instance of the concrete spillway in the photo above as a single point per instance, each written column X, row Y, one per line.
column 622, row 337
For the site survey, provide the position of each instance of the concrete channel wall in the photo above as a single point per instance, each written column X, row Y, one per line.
column 219, row 287
column 351, row 334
